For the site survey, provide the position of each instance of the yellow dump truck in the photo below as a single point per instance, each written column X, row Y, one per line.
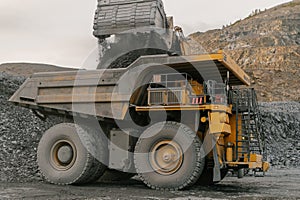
column 174, row 120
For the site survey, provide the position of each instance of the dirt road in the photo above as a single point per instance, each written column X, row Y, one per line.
column 277, row 184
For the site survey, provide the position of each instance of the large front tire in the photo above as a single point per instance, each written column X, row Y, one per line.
column 168, row 156
column 66, row 155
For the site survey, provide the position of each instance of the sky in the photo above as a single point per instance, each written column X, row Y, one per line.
column 59, row 32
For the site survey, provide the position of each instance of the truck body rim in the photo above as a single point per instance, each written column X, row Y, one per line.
column 166, row 157
column 63, row 155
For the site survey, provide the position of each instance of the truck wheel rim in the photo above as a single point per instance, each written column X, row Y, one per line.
column 166, row 157
column 63, row 155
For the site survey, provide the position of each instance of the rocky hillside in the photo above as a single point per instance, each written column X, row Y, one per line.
column 266, row 45
column 27, row 69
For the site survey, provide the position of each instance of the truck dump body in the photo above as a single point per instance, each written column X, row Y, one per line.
column 57, row 91
column 97, row 92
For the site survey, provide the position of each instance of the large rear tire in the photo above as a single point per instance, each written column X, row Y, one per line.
column 66, row 155
column 168, row 156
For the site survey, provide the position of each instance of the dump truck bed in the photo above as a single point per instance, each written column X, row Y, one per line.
column 98, row 93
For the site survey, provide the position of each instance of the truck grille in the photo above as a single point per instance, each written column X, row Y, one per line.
column 156, row 98
column 174, row 97
column 165, row 97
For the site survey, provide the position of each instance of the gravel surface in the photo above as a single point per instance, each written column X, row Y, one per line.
column 20, row 131
column 277, row 184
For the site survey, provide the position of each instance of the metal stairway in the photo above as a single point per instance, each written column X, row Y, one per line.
column 249, row 138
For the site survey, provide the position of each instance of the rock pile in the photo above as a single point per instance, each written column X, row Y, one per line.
column 21, row 130
column 281, row 126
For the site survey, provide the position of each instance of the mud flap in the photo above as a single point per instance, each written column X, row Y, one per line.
column 210, row 144
column 217, row 171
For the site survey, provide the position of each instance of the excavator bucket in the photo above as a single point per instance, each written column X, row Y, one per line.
column 116, row 16
column 128, row 29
